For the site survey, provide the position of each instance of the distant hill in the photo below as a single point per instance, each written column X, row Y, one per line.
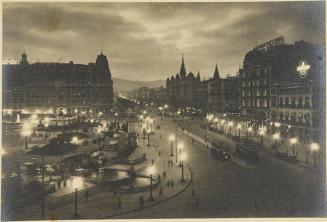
column 123, row 85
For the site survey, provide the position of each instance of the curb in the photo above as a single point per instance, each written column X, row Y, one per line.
column 153, row 204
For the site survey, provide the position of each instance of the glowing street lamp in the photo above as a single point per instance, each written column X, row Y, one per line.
column 250, row 129
column 144, row 130
column 180, row 147
column 148, row 131
column 239, row 126
column 262, row 133
column 171, row 138
column 230, row 124
column 276, row 137
column 151, row 171
column 216, row 122
column 183, row 158
column 277, row 124
column 27, row 132
column 293, row 142
column 222, row 125
column 314, row 147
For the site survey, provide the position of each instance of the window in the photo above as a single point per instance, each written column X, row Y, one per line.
column 273, row 101
column 300, row 101
column 293, row 101
column 281, row 101
column 286, row 101
column 307, row 101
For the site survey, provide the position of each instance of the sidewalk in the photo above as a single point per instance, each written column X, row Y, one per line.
column 105, row 204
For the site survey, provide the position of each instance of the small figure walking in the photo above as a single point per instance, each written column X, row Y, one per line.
column 87, row 195
column 141, row 201
column 164, row 174
column 160, row 192
column 152, row 161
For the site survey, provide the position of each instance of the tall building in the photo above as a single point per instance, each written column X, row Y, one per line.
column 285, row 83
column 215, row 93
column 58, row 88
column 181, row 88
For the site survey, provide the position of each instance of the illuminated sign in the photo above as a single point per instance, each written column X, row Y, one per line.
column 303, row 68
column 277, row 41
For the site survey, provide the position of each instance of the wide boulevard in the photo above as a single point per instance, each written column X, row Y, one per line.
column 226, row 189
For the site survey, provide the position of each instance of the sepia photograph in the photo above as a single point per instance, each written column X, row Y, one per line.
column 163, row 110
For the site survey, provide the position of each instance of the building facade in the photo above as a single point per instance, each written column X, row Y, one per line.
column 285, row 83
column 58, row 88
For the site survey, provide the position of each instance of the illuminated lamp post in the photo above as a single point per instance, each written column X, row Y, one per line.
column 293, row 142
column 151, row 171
column 141, row 120
column 314, row 147
column 144, row 131
column 183, row 158
column 250, row 129
column 171, row 138
column 27, row 131
column 276, row 137
column 148, row 131
column 230, row 124
column 223, row 124
column 216, row 122
column 239, row 126
column 180, row 147
column 262, row 133
column 151, row 124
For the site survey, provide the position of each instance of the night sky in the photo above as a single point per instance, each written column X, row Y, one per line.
column 145, row 41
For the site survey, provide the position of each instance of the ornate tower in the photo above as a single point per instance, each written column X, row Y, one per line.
column 182, row 71
column 24, row 59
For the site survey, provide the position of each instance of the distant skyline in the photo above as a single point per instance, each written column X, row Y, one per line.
column 145, row 41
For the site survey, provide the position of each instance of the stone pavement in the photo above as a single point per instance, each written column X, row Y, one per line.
column 105, row 204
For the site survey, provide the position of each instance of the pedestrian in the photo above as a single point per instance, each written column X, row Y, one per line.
column 159, row 177
column 159, row 153
column 152, row 161
column 168, row 163
column 87, row 195
column 141, row 201
column 160, row 192
column 164, row 174
column 119, row 203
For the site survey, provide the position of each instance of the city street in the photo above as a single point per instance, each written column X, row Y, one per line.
column 228, row 190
